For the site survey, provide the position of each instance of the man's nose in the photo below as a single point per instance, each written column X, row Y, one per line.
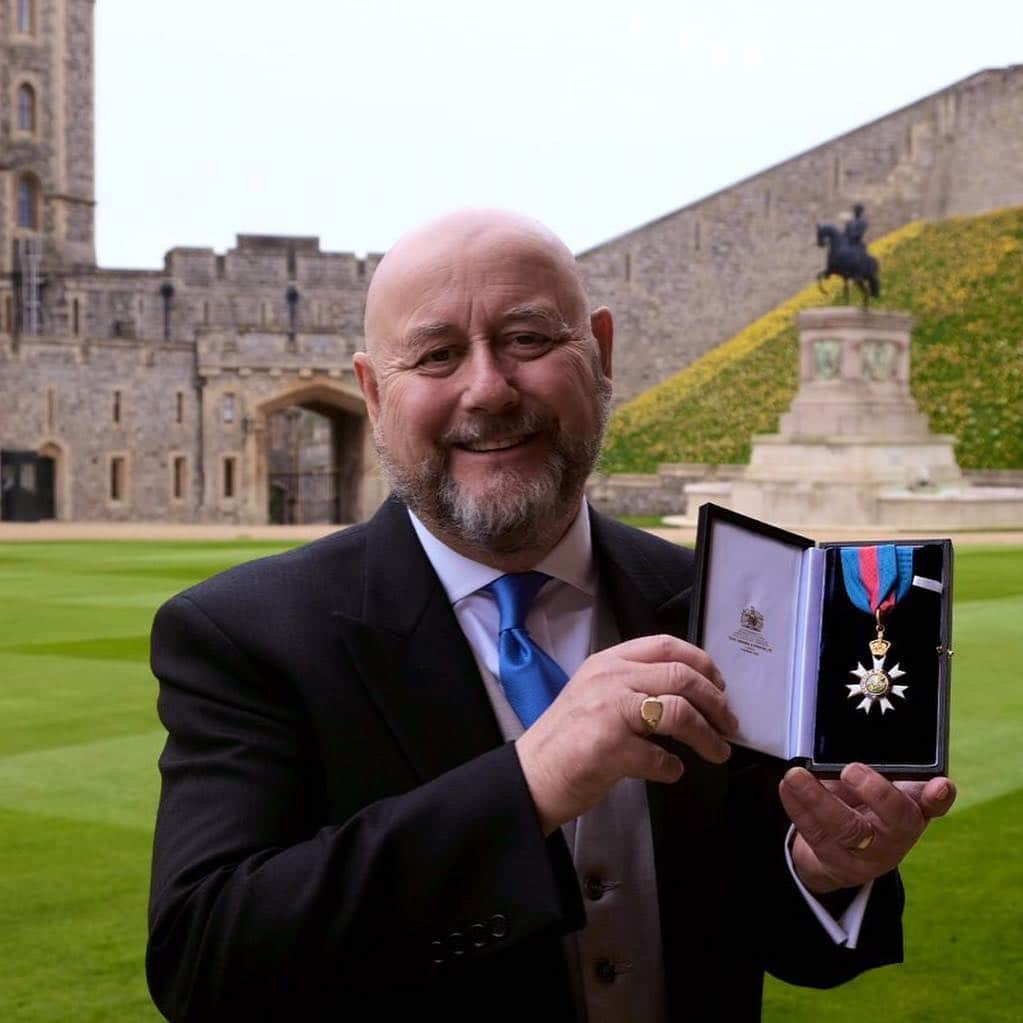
column 490, row 383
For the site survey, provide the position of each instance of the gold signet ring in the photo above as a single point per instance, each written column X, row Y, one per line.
column 651, row 710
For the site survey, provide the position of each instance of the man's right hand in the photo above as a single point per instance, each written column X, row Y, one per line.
column 593, row 734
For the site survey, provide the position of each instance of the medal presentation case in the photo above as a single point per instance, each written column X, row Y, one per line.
column 833, row 652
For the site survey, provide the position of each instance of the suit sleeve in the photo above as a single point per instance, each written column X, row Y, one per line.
column 259, row 902
column 790, row 941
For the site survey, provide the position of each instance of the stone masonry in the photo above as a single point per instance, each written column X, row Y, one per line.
column 684, row 283
column 150, row 393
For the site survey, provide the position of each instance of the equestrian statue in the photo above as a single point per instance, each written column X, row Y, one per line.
column 848, row 257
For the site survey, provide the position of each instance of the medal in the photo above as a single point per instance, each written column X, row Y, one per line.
column 876, row 579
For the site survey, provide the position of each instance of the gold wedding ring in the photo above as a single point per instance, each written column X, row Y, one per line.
column 865, row 842
column 651, row 710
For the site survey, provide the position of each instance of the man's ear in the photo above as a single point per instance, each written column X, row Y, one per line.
column 362, row 363
column 603, row 327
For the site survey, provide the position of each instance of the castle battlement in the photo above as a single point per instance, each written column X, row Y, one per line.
column 151, row 393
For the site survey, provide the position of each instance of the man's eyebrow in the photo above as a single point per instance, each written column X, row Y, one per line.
column 538, row 312
column 423, row 333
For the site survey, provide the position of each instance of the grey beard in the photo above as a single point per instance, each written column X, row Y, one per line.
column 515, row 512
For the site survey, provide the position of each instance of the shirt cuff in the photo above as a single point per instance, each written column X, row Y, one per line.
column 846, row 929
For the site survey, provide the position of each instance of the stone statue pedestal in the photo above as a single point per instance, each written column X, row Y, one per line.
column 853, row 447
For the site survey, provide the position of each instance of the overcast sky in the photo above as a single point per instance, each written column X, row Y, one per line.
column 355, row 120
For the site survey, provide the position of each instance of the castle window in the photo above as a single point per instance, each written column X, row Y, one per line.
column 229, row 407
column 26, row 17
column 117, row 406
column 28, row 202
column 26, row 108
column 51, row 408
column 117, row 474
column 8, row 314
column 229, row 466
column 179, row 469
column 167, row 294
column 179, row 407
column 75, row 324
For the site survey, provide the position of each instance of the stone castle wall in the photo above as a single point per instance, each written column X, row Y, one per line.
column 684, row 283
column 227, row 336
column 274, row 321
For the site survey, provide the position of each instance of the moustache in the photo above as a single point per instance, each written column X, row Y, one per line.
column 485, row 428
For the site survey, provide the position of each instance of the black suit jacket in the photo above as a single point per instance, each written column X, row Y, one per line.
column 342, row 833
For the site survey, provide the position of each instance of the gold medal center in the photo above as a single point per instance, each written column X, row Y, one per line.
column 876, row 683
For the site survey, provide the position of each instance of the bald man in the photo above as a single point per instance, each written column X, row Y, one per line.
column 394, row 784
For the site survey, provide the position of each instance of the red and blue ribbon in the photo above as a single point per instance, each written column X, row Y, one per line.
column 877, row 578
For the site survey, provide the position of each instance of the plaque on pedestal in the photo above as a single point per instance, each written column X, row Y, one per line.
column 833, row 652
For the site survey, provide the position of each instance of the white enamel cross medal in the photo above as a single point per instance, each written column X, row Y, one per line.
column 876, row 684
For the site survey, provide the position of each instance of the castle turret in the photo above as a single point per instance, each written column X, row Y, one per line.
column 46, row 148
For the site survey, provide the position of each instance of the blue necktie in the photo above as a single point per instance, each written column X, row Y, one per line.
column 530, row 676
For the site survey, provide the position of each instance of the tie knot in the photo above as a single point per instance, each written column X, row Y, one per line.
column 515, row 594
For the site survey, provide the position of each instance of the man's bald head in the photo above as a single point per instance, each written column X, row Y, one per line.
column 487, row 382
column 445, row 245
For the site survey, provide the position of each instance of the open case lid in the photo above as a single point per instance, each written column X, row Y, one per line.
column 749, row 613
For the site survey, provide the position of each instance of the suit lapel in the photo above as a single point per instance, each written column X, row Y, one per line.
column 411, row 653
column 646, row 596
column 650, row 594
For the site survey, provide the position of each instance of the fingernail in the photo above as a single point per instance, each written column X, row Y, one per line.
column 854, row 774
column 799, row 778
column 943, row 793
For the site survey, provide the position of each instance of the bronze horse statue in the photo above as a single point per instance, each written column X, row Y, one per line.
column 849, row 261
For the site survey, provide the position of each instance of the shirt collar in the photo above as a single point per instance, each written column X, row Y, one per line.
column 570, row 560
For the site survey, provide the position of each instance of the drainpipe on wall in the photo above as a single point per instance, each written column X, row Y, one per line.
column 200, row 443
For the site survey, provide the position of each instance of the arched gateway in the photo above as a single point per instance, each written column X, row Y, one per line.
column 307, row 457
column 314, row 459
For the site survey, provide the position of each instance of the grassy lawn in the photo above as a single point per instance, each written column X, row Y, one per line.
column 78, row 784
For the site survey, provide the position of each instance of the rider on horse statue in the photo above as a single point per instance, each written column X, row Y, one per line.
column 856, row 228
column 848, row 257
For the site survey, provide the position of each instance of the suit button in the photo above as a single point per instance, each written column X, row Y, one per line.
column 607, row 972
column 478, row 935
column 594, row 889
column 498, row 926
column 456, row 943
column 437, row 949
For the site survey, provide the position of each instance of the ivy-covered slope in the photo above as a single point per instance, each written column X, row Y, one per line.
column 962, row 279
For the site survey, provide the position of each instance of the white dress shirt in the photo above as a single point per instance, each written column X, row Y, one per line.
column 615, row 960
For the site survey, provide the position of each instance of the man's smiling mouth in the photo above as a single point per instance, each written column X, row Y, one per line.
column 497, row 443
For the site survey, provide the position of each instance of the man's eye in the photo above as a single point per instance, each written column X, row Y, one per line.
column 530, row 341
column 439, row 357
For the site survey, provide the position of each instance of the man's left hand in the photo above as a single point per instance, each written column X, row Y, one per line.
column 854, row 829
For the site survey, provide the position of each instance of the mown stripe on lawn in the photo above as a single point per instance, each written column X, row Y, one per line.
column 73, row 920
column 113, row 782
column 49, row 702
column 102, row 648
